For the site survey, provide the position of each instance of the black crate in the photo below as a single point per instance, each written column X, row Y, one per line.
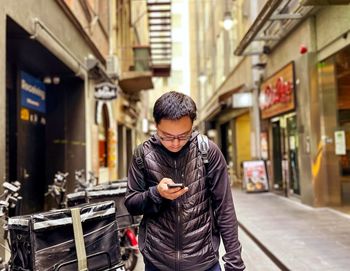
column 45, row 241
column 76, row 198
column 115, row 191
column 124, row 219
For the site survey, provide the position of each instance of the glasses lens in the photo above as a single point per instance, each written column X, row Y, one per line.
column 172, row 138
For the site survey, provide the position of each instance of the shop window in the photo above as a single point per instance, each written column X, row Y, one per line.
column 342, row 75
column 103, row 138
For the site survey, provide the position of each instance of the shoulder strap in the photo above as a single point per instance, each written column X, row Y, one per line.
column 203, row 146
column 139, row 156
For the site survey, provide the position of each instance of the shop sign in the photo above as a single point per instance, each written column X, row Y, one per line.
column 340, row 142
column 255, row 176
column 242, row 100
column 33, row 93
column 277, row 93
column 106, row 91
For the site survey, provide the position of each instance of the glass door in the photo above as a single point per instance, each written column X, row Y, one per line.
column 277, row 156
column 293, row 146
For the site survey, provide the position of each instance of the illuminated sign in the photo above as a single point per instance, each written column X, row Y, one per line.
column 277, row 93
column 241, row 100
column 33, row 93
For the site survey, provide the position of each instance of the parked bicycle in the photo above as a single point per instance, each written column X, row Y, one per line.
column 82, row 182
column 9, row 201
column 58, row 189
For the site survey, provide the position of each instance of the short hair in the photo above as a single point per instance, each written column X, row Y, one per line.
column 174, row 105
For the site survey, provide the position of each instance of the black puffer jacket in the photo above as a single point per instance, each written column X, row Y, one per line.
column 180, row 234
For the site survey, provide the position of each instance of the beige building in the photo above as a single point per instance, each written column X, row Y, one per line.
column 292, row 58
column 48, row 88
column 218, row 76
column 302, row 99
column 72, row 76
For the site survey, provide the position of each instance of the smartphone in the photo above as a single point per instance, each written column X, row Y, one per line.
column 174, row 185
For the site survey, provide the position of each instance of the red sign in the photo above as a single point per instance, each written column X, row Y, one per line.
column 277, row 93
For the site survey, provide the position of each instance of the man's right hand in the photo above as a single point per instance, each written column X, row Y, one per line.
column 170, row 193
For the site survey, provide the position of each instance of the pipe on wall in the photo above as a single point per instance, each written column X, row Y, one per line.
column 45, row 36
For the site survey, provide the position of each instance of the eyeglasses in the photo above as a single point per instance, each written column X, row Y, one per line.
column 183, row 137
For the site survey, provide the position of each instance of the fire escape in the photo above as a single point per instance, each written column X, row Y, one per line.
column 159, row 23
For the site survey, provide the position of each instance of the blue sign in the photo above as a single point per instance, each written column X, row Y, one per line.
column 33, row 93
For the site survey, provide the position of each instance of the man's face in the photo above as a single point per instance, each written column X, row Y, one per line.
column 174, row 134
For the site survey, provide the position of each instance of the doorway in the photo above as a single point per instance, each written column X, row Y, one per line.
column 285, row 146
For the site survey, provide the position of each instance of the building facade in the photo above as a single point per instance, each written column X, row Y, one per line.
column 70, row 91
column 302, row 98
column 219, row 77
column 45, row 90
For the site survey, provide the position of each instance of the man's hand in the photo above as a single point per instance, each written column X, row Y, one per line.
column 170, row 193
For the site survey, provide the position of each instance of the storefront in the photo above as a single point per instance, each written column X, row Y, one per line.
column 234, row 139
column 105, row 133
column 279, row 125
column 45, row 117
column 234, row 125
column 334, row 73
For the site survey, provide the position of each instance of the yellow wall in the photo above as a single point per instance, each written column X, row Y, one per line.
column 242, row 139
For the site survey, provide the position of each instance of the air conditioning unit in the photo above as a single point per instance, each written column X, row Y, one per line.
column 112, row 63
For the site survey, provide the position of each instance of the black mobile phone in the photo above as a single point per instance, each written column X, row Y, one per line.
column 174, row 185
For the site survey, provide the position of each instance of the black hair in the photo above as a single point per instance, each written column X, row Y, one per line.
column 174, row 105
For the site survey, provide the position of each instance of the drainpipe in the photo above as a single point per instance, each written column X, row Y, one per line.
column 255, row 121
column 46, row 37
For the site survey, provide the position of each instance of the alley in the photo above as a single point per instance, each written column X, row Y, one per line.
column 299, row 236
column 257, row 99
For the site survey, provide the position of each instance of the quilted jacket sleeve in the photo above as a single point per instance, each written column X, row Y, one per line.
column 140, row 199
column 223, row 207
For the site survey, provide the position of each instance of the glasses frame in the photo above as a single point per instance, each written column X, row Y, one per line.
column 170, row 138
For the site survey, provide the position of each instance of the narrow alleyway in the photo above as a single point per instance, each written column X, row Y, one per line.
column 301, row 237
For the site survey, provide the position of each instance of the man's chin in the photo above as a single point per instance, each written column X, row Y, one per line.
column 175, row 149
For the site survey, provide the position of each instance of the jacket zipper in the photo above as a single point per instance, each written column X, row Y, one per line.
column 177, row 231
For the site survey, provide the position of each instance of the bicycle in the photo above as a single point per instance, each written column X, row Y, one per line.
column 58, row 189
column 81, row 182
column 9, row 200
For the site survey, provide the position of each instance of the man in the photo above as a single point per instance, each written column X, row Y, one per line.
column 181, row 227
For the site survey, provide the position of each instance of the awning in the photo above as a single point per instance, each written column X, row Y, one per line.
column 275, row 21
column 217, row 105
column 228, row 94
column 133, row 82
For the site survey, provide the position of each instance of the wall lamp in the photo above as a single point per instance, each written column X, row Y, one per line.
column 228, row 21
column 51, row 80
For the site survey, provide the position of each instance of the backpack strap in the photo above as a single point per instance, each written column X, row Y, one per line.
column 203, row 146
column 139, row 157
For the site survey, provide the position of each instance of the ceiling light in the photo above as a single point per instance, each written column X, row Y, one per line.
column 56, row 80
column 47, row 80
